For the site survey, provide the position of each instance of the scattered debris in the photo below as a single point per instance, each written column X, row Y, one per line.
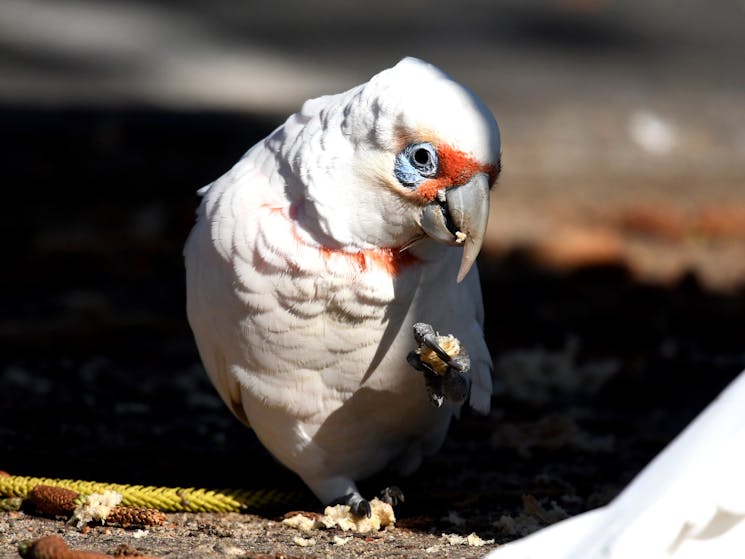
column 96, row 506
column 517, row 526
column 304, row 542
column 338, row 540
column 305, row 522
column 228, row 550
column 540, row 375
column 53, row 501
column 471, row 540
column 104, row 507
column 125, row 550
column 549, row 433
column 54, row 547
column 533, row 517
column 340, row 516
column 534, row 507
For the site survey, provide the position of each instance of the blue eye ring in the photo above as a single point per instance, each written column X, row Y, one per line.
column 423, row 157
column 415, row 163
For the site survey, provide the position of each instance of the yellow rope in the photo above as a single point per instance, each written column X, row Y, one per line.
column 166, row 499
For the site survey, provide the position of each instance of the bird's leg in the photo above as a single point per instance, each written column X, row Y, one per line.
column 453, row 384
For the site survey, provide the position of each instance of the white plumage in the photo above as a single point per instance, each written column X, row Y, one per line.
column 313, row 256
column 689, row 503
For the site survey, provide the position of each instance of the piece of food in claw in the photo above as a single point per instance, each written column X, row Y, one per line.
column 449, row 343
column 460, row 237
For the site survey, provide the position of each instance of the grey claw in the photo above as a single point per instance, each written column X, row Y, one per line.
column 357, row 505
column 461, row 363
column 392, row 495
column 361, row 508
column 435, row 399
column 422, row 329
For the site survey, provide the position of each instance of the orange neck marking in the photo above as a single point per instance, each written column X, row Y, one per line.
column 390, row 260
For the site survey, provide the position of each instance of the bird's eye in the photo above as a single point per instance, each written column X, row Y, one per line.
column 423, row 157
column 415, row 163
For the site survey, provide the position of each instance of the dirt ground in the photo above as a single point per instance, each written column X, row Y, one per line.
column 597, row 365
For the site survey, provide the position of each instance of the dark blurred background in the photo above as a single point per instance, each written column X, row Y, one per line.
column 613, row 275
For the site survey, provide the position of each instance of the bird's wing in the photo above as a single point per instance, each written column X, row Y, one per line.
column 472, row 308
column 688, row 502
column 217, row 252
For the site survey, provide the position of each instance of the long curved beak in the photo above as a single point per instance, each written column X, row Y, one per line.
column 458, row 216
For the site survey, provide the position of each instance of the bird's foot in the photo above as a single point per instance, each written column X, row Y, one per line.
column 446, row 379
column 358, row 506
column 392, row 495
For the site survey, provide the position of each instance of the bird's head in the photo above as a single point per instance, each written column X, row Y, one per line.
column 409, row 155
